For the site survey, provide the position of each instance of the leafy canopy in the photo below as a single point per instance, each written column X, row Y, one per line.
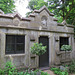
column 63, row 9
column 38, row 49
column 36, row 4
column 7, row 6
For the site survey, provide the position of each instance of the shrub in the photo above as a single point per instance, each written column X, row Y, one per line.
column 72, row 67
column 9, row 69
column 66, row 47
column 38, row 49
column 63, row 73
column 42, row 73
column 57, row 71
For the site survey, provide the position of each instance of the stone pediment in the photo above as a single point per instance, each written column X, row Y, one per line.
column 37, row 12
column 42, row 19
column 44, row 8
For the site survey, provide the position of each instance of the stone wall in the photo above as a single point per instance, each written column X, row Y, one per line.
column 0, row 48
column 27, row 59
column 74, row 51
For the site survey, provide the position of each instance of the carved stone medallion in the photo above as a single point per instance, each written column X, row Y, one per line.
column 16, row 21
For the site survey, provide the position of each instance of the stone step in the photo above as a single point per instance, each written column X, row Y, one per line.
column 44, row 68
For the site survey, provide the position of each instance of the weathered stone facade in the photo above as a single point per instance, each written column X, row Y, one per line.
column 39, row 23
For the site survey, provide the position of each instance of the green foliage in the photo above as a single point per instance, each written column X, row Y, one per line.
column 60, row 18
column 7, row 6
column 66, row 47
column 9, row 66
column 36, row 4
column 27, row 14
column 38, row 49
column 40, row 3
column 63, row 73
column 72, row 67
column 63, row 9
column 9, row 69
column 42, row 73
column 57, row 71
column 31, row 4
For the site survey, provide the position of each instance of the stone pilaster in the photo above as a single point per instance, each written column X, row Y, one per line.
column 2, row 48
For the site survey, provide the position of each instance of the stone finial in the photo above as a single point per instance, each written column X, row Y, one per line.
column 1, row 12
column 64, row 22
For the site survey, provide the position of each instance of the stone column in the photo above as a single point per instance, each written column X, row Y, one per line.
column 49, row 51
column 27, row 52
column 57, row 57
column 2, row 48
column 52, row 53
column 37, row 57
column 73, row 48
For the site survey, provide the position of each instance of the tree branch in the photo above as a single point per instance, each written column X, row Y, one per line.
column 73, row 21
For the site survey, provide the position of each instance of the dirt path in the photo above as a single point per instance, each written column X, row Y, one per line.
column 49, row 72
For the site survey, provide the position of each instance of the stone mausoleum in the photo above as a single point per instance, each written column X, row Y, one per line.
column 17, row 35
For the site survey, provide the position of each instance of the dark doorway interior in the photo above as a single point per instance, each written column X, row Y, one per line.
column 44, row 59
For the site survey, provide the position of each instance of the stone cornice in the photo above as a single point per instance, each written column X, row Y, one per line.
column 55, row 19
column 60, row 24
column 31, row 15
column 72, row 26
column 6, row 16
column 36, row 29
column 12, row 16
column 68, row 25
